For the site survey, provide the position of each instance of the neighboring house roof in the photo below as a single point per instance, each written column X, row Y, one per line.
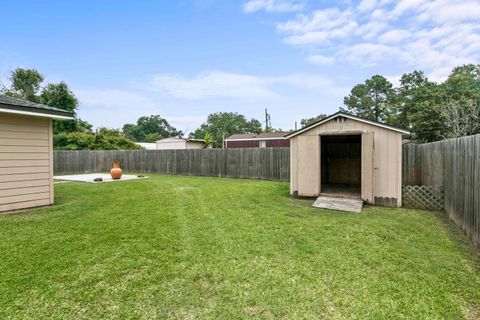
column 184, row 139
column 19, row 106
column 346, row 115
column 261, row 136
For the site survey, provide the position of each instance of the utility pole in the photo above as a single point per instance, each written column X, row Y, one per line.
column 267, row 120
column 295, row 125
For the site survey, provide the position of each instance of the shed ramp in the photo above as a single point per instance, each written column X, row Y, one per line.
column 339, row 204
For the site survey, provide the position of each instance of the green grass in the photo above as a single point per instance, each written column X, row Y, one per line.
column 191, row 247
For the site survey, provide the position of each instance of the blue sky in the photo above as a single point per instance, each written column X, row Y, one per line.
column 186, row 59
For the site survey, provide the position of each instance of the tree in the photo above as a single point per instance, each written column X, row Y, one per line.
column 372, row 99
column 308, row 121
column 463, row 84
column 418, row 107
column 461, row 107
column 208, row 140
column 430, row 111
column 147, row 126
column 222, row 124
column 25, row 84
column 462, row 119
column 153, row 137
column 103, row 139
column 61, row 97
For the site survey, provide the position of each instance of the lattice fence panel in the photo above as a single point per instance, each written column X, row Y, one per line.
column 423, row 197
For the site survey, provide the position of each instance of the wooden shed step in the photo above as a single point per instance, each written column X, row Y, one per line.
column 340, row 204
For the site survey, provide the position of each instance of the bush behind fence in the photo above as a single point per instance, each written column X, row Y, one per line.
column 252, row 163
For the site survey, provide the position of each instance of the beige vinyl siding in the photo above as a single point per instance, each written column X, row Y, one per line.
column 170, row 144
column 26, row 167
column 194, row 145
column 177, row 143
column 387, row 166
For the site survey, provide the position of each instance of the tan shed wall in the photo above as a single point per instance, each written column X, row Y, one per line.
column 194, row 145
column 387, row 158
column 173, row 144
column 26, row 162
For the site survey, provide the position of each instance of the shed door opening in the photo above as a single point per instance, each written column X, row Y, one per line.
column 341, row 164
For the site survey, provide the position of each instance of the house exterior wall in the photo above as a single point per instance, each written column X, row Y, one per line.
column 26, row 162
column 170, row 144
column 270, row 143
column 278, row 143
column 387, row 160
column 242, row 144
column 167, row 144
column 194, row 145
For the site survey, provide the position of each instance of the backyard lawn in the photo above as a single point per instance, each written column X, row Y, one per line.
column 192, row 247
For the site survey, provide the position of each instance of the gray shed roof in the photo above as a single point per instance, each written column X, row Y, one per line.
column 19, row 106
column 346, row 115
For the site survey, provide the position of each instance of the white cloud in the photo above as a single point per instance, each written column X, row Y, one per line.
column 212, row 84
column 403, row 6
column 118, row 107
column 319, row 59
column 432, row 35
column 394, row 36
column 449, row 11
column 272, row 6
column 394, row 80
column 367, row 5
column 113, row 100
column 213, row 91
column 322, row 26
column 114, row 107
column 325, row 20
column 371, row 54
column 218, row 84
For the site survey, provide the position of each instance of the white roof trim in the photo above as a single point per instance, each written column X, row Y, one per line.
column 176, row 140
column 373, row 123
column 36, row 114
column 260, row 139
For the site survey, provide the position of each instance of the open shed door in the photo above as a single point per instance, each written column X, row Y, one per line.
column 367, row 166
column 308, row 159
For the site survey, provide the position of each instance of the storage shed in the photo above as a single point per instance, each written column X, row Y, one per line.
column 344, row 155
column 26, row 153
column 179, row 143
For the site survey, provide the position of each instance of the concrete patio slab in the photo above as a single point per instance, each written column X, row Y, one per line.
column 90, row 177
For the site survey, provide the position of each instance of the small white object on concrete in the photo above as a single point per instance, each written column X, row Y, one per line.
column 340, row 204
column 91, row 176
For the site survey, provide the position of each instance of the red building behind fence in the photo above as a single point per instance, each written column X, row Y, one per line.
column 261, row 140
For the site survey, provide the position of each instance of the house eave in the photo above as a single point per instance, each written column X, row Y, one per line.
column 43, row 114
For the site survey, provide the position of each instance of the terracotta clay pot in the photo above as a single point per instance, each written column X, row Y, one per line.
column 116, row 172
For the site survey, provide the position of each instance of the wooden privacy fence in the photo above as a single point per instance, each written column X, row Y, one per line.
column 252, row 163
column 453, row 165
